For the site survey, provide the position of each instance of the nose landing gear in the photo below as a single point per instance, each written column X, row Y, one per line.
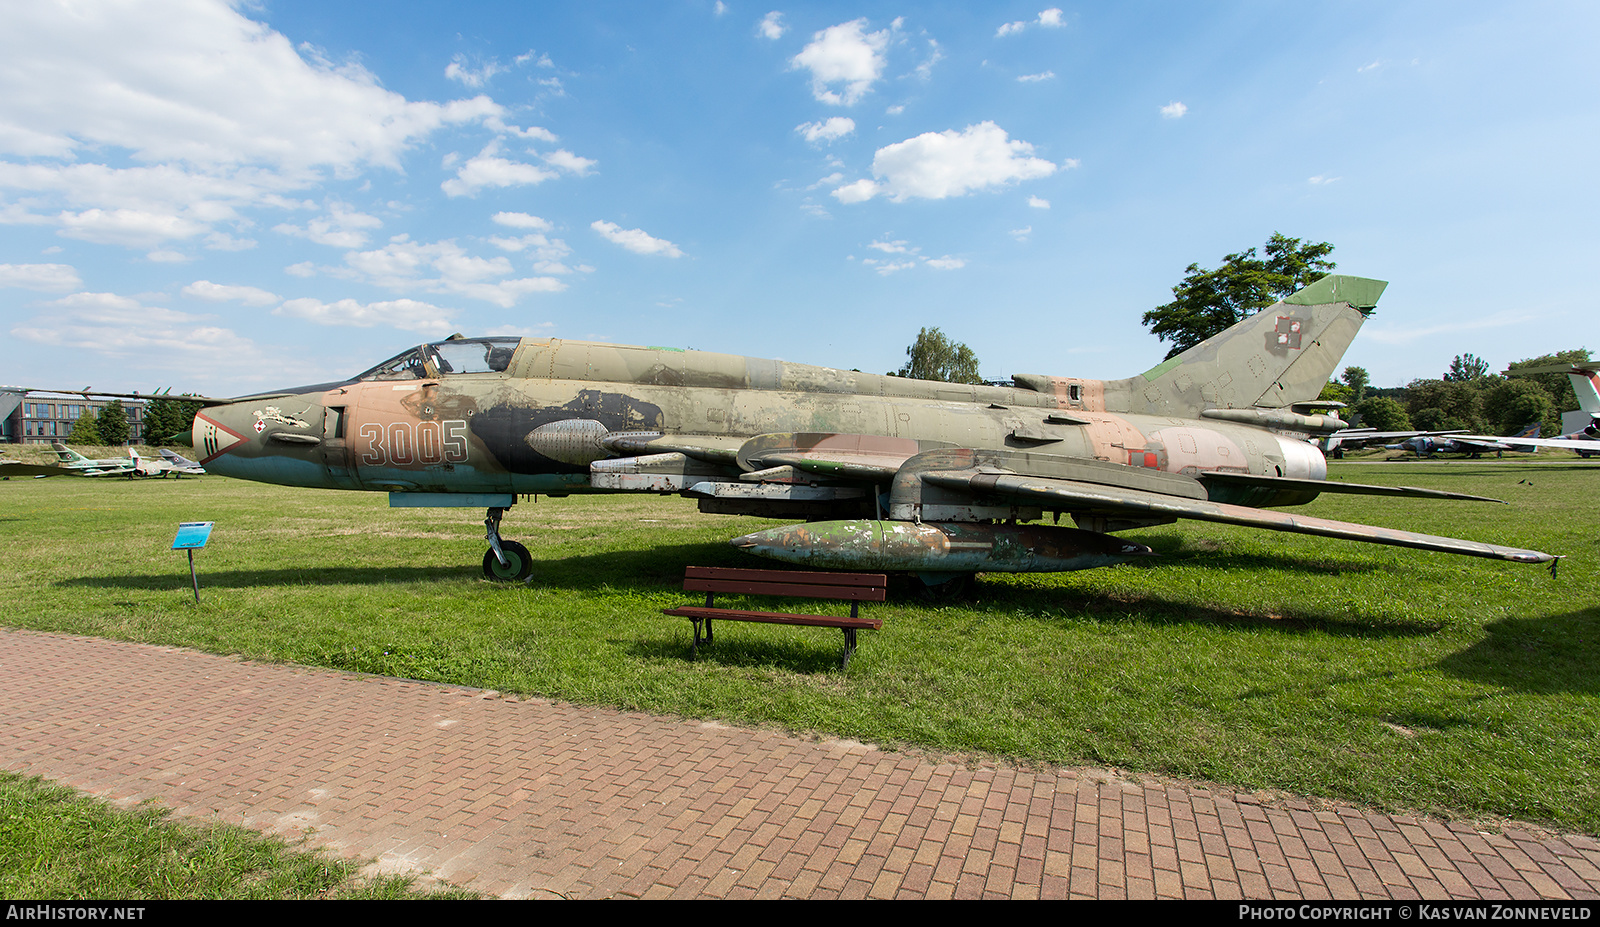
column 505, row 561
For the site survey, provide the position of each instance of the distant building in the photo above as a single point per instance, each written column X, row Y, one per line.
column 37, row 417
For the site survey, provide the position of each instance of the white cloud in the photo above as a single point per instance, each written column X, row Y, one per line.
column 1022, row 233
column 129, row 227
column 218, row 112
column 222, row 241
column 1369, row 67
column 457, row 70
column 163, row 256
column 720, row 9
column 570, row 162
column 906, row 257
column 106, row 323
column 1173, row 110
column 1035, row 78
column 1038, row 202
column 302, row 269
column 895, row 110
column 1050, row 19
column 843, row 54
column 407, row 314
column 924, row 71
column 1322, row 179
column 547, row 253
column 885, row 268
column 221, row 293
column 635, row 240
column 488, row 169
column 49, row 278
column 442, row 267
column 827, row 130
column 340, row 228
column 771, row 26
column 521, row 220
column 936, row 165
column 858, row 192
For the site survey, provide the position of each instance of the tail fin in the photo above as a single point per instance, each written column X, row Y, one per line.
column 67, row 454
column 1586, row 383
column 1280, row 356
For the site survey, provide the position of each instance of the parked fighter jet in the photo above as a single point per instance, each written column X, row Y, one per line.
column 179, row 465
column 73, row 463
column 1428, row 443
column 887, row 473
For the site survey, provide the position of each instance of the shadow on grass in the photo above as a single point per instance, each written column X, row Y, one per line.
column 1068, row 605
column 659, row 570
column 1545, row 656
column 1174, row 548
column 743, row 647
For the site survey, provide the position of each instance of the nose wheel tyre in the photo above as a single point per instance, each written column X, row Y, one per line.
column 518, row 565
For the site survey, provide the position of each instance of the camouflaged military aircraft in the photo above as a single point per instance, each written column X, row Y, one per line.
column 883, row 473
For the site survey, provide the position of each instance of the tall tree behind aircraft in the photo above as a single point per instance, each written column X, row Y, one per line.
column 168, row 420
column 112, row 424
column 934, row 357
column 1208, row 302
column 1556, row 384
column 85, row 431
column 1466, row 367
column 1358, row 380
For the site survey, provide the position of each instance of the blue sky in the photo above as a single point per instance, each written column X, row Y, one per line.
column 225, row 198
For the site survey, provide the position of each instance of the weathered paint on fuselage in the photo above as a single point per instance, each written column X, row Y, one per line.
column 498, row 431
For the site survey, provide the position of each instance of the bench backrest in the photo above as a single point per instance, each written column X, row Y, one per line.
column 850, row 587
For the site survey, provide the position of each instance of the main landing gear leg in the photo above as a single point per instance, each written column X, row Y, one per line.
column 506, row 561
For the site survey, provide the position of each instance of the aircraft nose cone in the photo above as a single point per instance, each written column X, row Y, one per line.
column 221, row 429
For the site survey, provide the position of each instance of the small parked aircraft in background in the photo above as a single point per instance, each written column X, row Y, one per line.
column 72, row 463
column 179, row 465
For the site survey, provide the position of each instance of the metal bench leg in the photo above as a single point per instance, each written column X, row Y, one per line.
column 849, row 646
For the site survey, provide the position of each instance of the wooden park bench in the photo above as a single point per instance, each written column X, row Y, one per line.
column 852, row 587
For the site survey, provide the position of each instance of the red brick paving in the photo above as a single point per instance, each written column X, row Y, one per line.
column 531, row 798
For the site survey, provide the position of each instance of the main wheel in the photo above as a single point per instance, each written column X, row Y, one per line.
column 518, row 565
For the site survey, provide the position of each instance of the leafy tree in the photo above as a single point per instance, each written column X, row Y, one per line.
column 1440, row 405
column 1512, row 405
column 1208, row 302
column 169, row 420
column 1556, row 384
column 112, row 424
column 1335, row 391
column 1467, row 367
column 84, row 430
column 1382, row 413
column 935, row 357
column 1358, row 380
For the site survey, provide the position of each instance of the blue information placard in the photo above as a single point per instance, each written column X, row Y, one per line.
column 192, row 535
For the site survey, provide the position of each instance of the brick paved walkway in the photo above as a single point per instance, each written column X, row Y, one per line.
column 529, row 798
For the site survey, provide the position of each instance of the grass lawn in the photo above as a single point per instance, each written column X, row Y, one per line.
column 1403, row 679
column 56, row 844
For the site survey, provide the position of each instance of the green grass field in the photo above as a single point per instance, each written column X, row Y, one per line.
column 1402, row 679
